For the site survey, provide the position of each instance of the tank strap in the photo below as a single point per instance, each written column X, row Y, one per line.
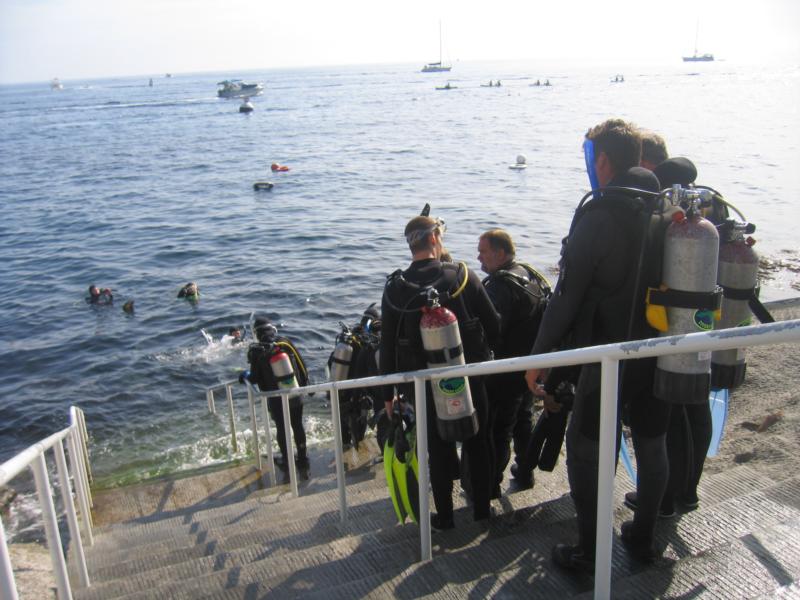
column 683, row 299
column 737, row 293
column 339, row 361
column 439, row 357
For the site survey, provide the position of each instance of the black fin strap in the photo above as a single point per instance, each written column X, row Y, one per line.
column 759, row 310
column 439, row 357
column 682, row 299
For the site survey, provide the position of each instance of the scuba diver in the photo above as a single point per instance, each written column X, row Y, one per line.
column 429, row 284
column 519, row 294
column 608, row 259
column 690, row 426
column 99, row 296
column 355, row 356
column 262, row 357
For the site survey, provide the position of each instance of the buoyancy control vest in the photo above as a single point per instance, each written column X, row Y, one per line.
column 530, row 292
column 408, row 298
column 615, row 314
column 261, row 372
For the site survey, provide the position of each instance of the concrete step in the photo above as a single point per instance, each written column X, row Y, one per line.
column 510, row 543
column 518, row 565
column 275, row 506
column 761, row 563
column 225, row 543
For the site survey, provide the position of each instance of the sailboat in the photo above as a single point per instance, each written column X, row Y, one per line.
column 698, row 57
column 437, row 67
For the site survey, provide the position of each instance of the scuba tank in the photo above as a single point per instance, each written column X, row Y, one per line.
column 342, row 355
column 688, row 299
column 282, row 369
column 738, row 277
column 456, row 419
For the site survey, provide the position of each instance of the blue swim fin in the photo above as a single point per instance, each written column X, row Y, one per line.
column 718, row 399
column 625, row 456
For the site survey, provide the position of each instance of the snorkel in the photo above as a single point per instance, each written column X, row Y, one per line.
column 588, row 155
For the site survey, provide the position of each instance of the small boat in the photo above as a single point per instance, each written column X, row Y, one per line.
column 699, row 58
column 55, row 85
column 437, row 67
column 447, row 86
column 236, row 88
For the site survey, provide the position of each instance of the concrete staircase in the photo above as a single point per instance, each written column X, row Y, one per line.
column 743, row 542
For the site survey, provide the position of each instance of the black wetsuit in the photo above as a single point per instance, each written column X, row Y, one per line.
column 597, row 301
column 261, row 374
column 520, row 299
column 402, row 350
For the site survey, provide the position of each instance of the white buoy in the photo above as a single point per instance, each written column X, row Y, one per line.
column 246, row 106
column 521, row 163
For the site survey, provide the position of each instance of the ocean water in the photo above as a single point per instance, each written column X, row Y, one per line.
column 114, row 183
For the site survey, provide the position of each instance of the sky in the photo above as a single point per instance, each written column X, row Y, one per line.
column 79, row 39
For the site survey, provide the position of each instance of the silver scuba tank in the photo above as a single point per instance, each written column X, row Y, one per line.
column 456, row 419
column 738, row 277
column 342, row 358
column 689, row 293
column 282, row 369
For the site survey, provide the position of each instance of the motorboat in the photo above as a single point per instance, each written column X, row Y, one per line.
column 56, row 85
column 236, row 88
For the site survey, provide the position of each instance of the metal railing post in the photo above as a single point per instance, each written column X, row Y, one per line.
column 72, row 519
column 84, row 447
column 268, row 435
column 231, row 417
column 212, row 408
column 254, row 426
column 289, row 450
column 337, row 441
column 80, row 486
column 39, row 469
column 420, row 404
column 8, row 588
column 605, row 477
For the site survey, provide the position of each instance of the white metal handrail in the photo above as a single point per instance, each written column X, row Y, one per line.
column 608, row 356
column 34, row 457
column 212, row 407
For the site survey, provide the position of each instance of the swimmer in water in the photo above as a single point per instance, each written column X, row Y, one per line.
column 99, row 296
column 235, row 335
column 127, row 308
column 190, row 291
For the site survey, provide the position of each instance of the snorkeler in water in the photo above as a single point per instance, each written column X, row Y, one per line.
column 100, row 296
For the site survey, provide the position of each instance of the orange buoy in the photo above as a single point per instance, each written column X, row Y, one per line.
column 277, row 167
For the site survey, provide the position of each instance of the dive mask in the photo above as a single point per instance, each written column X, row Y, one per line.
column 588, row 154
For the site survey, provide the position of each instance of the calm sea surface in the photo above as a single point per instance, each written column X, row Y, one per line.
column 143, row 189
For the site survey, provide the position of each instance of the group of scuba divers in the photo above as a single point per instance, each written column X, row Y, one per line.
column 648, row 253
